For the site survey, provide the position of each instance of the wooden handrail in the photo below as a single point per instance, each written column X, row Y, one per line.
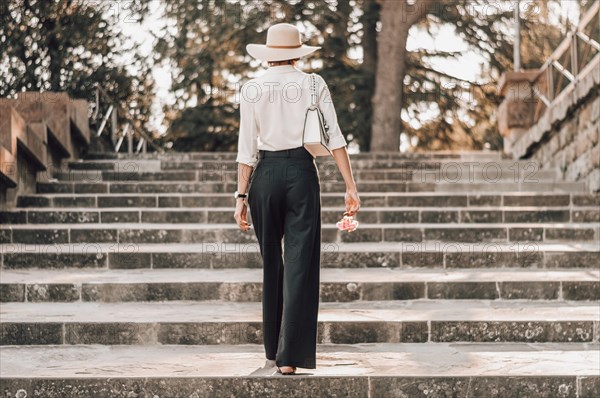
column 127, row 117
column 566, row 43
column 571, row 73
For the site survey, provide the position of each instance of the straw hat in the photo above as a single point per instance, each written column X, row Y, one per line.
column 283, row 42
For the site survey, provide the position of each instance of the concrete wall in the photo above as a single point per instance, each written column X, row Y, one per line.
column 573, row 145
column 566, row 136
column 38, row 131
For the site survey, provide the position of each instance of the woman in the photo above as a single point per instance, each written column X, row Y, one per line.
column 279, row 179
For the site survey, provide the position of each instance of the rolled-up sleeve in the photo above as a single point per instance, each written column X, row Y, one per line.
column 336, row 138
column 248, row 133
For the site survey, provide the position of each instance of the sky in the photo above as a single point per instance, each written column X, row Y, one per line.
column 468, row 66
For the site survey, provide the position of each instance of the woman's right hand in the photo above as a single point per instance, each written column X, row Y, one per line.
column 352, row 201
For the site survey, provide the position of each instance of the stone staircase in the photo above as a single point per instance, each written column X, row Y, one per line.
column 471, row 275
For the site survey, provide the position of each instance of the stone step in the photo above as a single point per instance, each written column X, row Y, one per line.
column 375, row 370
column 211, row 169
column 219, row 155
column 374, row 215
column 326, row 187
column 557, row 186
column 325, row 174
column 368, row 199
column 425, row 255
column 231, row 233
column 337, row 285
column 147, row 165
column 216, row 322
column 526, row 167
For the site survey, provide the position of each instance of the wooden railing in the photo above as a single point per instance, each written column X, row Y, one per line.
column 576, row 55
column 111, row 118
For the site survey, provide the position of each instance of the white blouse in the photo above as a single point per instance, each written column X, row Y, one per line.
column 273, row 108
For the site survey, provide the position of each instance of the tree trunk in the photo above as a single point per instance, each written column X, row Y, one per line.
column 397, row 17
column 390, row 70
column 369, row 44
column 340, row 29
column 369, row 41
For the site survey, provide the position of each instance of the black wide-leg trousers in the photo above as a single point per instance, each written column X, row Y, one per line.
column 285, row 208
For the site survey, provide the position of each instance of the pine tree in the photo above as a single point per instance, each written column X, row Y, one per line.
column 67, row 45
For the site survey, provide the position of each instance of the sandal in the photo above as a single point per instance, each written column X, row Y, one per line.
column 287, row 373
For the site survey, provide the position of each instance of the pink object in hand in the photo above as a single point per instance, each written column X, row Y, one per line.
column 347, row 223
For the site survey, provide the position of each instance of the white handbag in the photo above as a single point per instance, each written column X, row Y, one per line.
column 315, row 136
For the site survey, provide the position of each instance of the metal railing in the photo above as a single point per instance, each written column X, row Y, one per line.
column 118, row 122
column 579, row 51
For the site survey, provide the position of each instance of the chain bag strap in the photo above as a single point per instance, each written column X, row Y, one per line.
column 315, row 136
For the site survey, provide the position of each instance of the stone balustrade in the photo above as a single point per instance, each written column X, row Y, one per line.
column 38, row 131
column 552, row 115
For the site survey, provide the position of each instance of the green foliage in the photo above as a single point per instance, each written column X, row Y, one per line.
column 205, row 128
column 201, row 43
column 466, row 109
column 205, row 44
column 67, row 45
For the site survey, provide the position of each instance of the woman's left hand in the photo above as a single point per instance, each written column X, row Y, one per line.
column 240, row 215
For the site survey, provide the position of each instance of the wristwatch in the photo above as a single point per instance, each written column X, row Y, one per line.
column 236, row 195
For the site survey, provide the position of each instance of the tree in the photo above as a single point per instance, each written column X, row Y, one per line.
column 465, row 109
column 397, row 17
column 66, row 45
column 201, row 44
column 376, row 98
column 205, row 45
